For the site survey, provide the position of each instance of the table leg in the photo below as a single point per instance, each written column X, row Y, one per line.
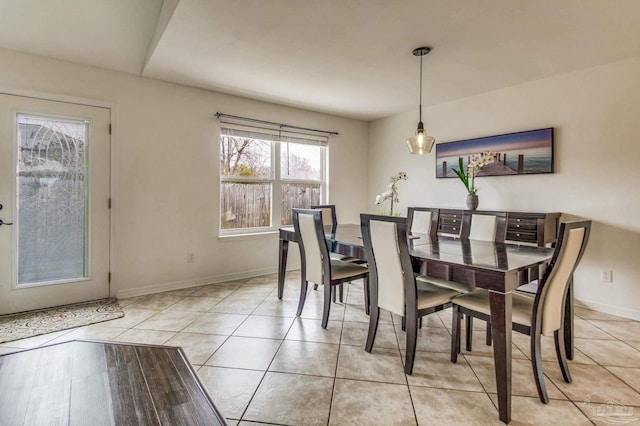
column 500, row 304
column 568, row 321
column 282, row 265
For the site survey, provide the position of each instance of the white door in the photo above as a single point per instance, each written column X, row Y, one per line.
column 54, row 191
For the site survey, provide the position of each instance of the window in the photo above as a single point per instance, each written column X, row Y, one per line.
column 264, row 173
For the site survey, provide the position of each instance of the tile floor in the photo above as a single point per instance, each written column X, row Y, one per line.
column 262, row 365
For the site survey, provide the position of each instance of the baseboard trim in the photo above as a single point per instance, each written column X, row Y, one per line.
column 178, row 285
column 633, row 314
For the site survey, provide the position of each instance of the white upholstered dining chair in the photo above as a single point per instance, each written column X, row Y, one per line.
column 394, row 286
column 541, row 314
column 317, row 265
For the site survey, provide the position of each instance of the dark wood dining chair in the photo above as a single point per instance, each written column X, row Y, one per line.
column 317, row 265
column 540, row 314
column 484, row 226
column 393, row 284
column 423, row 220
column 330, row 221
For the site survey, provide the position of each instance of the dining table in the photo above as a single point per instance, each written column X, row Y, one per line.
column 499, row 268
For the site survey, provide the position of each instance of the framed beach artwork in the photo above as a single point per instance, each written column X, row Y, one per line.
column 519, row 153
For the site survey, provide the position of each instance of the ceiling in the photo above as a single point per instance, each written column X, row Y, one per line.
column 346, row 57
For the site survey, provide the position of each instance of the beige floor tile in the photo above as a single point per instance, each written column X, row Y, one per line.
column 9, row 350
column 531, row 411
column 479, row 346
column 600, row 413
column 236, row 305
column 291, row 399
column 155, row 301
column 132, row 317
column 35, row 341
column 634, row 344
column 94, row 332
column 245, row 352
column 231, row 389
column 522, row 381
column 429, row 339
column 264, row 326
column 609, row 352
column 359, row 403
column 195, row 304
column 313, row 309
column 168, row 321
column 316, row 359
column 630, row 376
column 180, row 292
column 310, row 330
column 452, row 407
column 435, row 370
column 584, row 329
column 623, row 330
column 381, row 365
column 197, row 347
column 355, row 313
column 253, row 291
column 215, row 290
column 523, row 342
column 355, row 334
column 150, row 337
column 214, row 323
column 589, row 314
column 277, row 308
column 592, row 380
column 271, row 279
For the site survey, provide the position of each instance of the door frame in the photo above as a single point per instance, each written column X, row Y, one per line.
column 55, row 97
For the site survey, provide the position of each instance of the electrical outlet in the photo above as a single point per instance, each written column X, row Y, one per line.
column 190, row 257
column 606, row 276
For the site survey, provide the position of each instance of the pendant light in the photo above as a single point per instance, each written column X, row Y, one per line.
column 421, row 143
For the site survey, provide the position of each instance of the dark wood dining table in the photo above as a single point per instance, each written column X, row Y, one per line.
column 497, row 267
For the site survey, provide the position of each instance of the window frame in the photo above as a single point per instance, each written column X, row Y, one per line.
column 275, row 179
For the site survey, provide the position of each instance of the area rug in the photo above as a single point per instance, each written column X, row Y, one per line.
column 33, row 323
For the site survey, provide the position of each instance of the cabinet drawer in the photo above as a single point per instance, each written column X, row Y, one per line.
column 529, row 237
column 449, row 229
column 527, row 226
column 452, row 220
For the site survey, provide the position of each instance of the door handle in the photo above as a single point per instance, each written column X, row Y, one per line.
column 5, row 223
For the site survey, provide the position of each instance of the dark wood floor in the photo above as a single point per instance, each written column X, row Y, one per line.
column 98, row 383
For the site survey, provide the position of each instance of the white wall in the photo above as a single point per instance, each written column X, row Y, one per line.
column 597, row 166
column 165, row 174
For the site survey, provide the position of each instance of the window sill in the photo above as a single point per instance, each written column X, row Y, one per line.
column 249, row 235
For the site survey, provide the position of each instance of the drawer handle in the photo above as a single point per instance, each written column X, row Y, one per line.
column 517, row 235
column 517, row 226
column 455, row 229
column 518, row 220
column 454, row 221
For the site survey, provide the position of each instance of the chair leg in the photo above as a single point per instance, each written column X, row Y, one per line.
column 420, row 322
column 455, row 334
column 412, row 337
column 468, row 323
column 536, row 363
column 333, row 294
column 341, row 293
column 303, row 296
column 315, row 286
column 366, row 295
column 373, row 328
column 327, row 304
column 488, row 336
column 404, row 324
column 561, row 354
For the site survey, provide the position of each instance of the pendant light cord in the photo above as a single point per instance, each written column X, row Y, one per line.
column 420, row 119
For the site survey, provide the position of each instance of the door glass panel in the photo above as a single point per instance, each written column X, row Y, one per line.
column 52, row 201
